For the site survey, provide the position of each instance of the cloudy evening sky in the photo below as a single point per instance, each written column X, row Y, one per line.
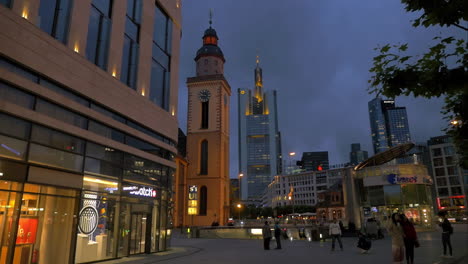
column 317, row 55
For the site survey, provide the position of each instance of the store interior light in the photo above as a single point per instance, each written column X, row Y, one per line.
column 1, row 174
column 88, row 179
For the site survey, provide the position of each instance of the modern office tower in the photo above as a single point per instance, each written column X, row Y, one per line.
column 389, row 124
column 88, row 128
column 314, row 161
column 259, row 138
column 450, row 180
column 208, row 136
column 357, row 155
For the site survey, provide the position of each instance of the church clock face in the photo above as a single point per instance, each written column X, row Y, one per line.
column 204, row 95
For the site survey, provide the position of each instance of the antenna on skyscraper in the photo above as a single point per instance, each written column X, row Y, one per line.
column 211, row 16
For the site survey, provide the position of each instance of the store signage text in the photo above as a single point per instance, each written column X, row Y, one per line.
column 140, row 191
column 192, row 200
column 395, row 179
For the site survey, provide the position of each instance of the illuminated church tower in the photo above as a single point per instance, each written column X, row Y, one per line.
column 208, row 136
column 259, row 139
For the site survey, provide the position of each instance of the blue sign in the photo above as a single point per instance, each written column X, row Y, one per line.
column 395, row 179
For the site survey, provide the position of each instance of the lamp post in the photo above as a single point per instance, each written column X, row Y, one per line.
column 239, row 206
column 240, row 184
column 291, row 154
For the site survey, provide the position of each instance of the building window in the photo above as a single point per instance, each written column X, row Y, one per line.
column 97, row 45
column 204, row 117
column 452, row 170
column 437, row 152
column 438, row 162
column 131, row 46
column 204, row 158
column 441, row 181
column 203, row 200
column 454, row 181
column 456, row 191
column 443, row 192
column 160, row 67
column 440, row 171
column 54, row 17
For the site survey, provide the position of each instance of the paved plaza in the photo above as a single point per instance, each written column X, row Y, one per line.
column 226, row 251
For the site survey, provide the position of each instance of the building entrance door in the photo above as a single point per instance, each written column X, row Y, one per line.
column 139, row 228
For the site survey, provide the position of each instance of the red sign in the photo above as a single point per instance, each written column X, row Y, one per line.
column 27, row 230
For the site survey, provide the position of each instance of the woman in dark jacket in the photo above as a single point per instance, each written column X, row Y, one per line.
column 410, row 238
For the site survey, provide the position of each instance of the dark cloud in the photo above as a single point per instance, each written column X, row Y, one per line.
column 317, row 54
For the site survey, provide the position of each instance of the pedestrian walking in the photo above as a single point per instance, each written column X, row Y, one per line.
column 278, row 235
column 396, row 232
column 447, row 231
column 266, row 232
column 410, row 238
column 335, row 233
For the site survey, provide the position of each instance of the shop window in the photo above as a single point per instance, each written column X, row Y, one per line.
column 55, row 158
column 454, row 181
column 439, row 172
column 59, row 113
column 106, row 131
column 14, row 127
column 392, row 194
column 452, row 170
column 15, row 96
column 442, row 181
column 443, row 191
column 45, row 226
column 438, row 162
column 57, row 139
column 203, row 200
column 458, row 201
column 376, row 195
column 12, row 148
column 444, row 202
column 204, row 158
column 102, row 168
column 97, row 234
column 456, row 191
column 104, row 153
column 436, row 152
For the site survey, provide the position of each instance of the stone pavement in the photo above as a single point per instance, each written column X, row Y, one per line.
column 226, row 251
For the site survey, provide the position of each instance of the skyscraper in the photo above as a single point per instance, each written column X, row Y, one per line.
column 389, row 124
column 259, row 138
column 314, row 161
column 357, row 155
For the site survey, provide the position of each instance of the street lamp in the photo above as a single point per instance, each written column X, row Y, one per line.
column 240, row 193
column 239, row 206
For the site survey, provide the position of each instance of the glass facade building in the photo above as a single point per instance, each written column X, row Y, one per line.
column 87, row 164
column 389, row 124
column 259, row 139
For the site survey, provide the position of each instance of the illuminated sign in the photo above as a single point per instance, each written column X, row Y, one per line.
column 192, row 200
column 140, row 191
column 388, row 102
column 395, row 179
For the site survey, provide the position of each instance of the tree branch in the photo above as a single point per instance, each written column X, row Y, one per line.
column 464, row 28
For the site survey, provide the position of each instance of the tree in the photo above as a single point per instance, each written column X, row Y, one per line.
column 441, row 71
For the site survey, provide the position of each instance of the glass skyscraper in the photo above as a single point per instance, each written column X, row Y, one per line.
column 259, row 139
column 389, row 124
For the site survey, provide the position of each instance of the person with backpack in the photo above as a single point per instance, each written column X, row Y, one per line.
column 447, row 231
column 278, row 235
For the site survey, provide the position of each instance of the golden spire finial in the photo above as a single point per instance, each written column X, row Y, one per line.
column 258, row 58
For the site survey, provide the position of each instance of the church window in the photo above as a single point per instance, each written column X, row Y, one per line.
column 204, row 158
column 203, row 200
column 205, row 108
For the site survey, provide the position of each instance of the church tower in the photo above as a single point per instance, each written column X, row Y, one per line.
column 208, row 136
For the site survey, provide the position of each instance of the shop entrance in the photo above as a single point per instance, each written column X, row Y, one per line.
column 140, row 226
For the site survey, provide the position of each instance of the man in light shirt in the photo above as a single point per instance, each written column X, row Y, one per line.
column 335, row 233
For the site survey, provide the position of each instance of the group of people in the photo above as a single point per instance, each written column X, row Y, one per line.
column 404, row 237
column 266, row 232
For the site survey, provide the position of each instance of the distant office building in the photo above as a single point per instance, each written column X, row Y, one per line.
column 451, row 181
column 302, row 188
column 259, row 138
column 389, row 124
column 234, row 191
column 357, row 155
column 88, row 128
column 314, row 161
